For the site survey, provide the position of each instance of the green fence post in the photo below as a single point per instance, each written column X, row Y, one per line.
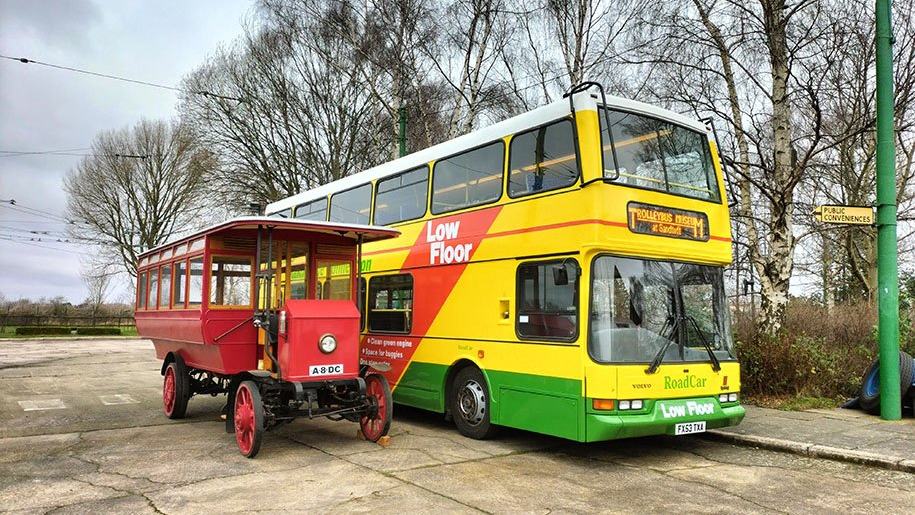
column 887, row 273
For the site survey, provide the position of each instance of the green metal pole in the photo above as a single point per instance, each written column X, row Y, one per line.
column 402, row 135
column 887, row 273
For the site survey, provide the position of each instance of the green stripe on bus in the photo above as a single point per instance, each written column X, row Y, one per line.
column 543, row 404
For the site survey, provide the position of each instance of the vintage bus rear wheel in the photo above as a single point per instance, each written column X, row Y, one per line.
column 176, row 385
column 249, row 418
column 470, row 404
column 378, row 390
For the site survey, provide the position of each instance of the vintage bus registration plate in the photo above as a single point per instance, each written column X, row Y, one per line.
column 689, row 427
column 325, row 370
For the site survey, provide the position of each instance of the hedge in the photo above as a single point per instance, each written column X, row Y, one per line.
column 42, row 330
column 98, row 331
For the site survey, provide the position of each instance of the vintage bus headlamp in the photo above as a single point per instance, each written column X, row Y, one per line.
column 636, row 404
column 282, row 323
column 327, row 343
column 624, row 405
column 723, row 397
column 732, row 397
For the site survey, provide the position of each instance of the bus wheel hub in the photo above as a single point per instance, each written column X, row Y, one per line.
column 472, row 402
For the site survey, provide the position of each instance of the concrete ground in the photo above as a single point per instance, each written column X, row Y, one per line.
column 81, row 431
column 843, row 434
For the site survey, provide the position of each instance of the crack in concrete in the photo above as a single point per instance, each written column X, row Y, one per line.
column 388, row 475
column 718, row 487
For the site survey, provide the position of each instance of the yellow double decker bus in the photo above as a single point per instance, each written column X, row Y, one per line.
column 558, row 272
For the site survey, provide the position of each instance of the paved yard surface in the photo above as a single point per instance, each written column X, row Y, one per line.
column 81, row 431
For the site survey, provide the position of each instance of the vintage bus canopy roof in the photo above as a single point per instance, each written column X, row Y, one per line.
column 352, row 231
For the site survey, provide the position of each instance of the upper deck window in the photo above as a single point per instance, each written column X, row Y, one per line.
column 658, row 155
column 352, row 206
column 543, row 159
column 469, row 179
column 286, row 213
column 402, row 197
column 314, row 210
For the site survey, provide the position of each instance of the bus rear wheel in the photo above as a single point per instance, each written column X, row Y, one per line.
column 176, row 389
column 470, row 404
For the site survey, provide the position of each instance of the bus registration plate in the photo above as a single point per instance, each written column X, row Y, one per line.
column 687, row 428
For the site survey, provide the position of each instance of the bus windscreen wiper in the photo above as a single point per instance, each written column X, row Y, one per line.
column 656, row 362
column 716, row 365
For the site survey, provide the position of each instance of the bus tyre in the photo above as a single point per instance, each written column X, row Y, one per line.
column 176, row 389
column 870, row 384
column 248, row 418
column 470, row 404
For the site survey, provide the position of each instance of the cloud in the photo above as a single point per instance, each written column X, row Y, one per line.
column 43, row 108
column 59, row 23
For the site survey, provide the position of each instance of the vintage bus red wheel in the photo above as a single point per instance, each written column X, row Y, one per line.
column 175, row 388
column 249, row 418
column 377, row 422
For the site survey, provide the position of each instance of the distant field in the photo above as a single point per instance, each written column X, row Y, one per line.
column 10, row 332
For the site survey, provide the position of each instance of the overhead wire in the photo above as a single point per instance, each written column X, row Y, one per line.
column 26, row 60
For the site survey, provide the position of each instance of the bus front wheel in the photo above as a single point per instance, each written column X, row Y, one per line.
column 470, row 404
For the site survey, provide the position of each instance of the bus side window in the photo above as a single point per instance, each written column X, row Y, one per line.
column 195, row 290
column 390, row 306
column 141, row 291
column 547, row 301
column 230, row 281
column 153, row 289
column 542, row 160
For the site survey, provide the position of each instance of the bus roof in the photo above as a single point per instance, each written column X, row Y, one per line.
column 583, row 101
column 352, row 231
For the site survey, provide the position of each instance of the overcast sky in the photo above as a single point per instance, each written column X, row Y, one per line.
column 47, row 109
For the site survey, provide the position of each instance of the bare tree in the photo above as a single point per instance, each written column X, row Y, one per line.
column 98, row 284
column 139, row 187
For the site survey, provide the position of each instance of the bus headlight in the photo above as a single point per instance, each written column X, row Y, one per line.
column 732, row 397
column 327, row 343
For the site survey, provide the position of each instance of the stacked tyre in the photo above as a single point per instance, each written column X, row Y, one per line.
column 870, row 385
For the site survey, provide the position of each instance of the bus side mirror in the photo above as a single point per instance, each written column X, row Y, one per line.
column 560, row 276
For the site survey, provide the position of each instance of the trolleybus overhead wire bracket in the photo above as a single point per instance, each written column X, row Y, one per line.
column 584, row 86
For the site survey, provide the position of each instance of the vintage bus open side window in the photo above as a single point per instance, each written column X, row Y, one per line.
column 231, row 281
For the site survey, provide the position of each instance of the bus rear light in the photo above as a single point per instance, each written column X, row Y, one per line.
column 602, row 404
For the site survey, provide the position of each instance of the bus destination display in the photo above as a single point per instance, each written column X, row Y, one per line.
column 667, row 221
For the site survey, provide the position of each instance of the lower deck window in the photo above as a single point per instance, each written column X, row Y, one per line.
column 391, row 303
column 230, row 281
column 548, row 300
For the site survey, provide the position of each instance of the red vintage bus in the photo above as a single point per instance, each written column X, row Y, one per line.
column 264, row 310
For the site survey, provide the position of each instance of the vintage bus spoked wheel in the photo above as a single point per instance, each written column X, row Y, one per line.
column 175, row 386
column 377, row 421
column 249, row 418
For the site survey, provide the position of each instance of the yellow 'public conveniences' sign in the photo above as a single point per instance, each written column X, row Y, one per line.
column 856, row 215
